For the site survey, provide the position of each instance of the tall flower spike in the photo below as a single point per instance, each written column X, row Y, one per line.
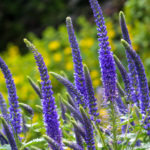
column 3, row 139
column 144, row 90
column 77, row 59
column 35, row 87
column 126, row 80
column 48, row 101
column 70, row 87
column 73, row 146
column 89, row 134
column 108, row 70
column 79, row 128
column 9, row 134
column 15, row 115
column 90, row 93
column 63, row 109
column 131, row 64
column 3, row 108
column 28, row 109
column 70, row 101
column 124, row 29
column 78, row 136
column 122, row 108
column 120, row 90
column 76, row 113
column 51, row 141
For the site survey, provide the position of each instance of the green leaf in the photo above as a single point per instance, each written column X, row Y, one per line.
column 33, row 142
column 5, row 147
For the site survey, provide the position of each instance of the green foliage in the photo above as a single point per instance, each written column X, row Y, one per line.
column 54, row 46
column 5, row 147
column 33, row 142
column 137, row 16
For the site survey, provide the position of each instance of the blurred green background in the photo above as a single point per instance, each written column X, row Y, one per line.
column 43, row 22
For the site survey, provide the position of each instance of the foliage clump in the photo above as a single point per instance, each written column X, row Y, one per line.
column 79, row 126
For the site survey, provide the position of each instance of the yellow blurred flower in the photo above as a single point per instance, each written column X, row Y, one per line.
column 112, row 45
column 109, row 25
column 35, row 118
column 103, row 112
column 135, row 47
column 57, row 57
column 23, row 90
column 54, row 45
column 111, row 32
column 32, row 96
column 2, row 79
column 47, row 61
column 18, row 79
column 13, row 50
column 96, row 83
column 94, row 74
column 67, row 51
column 22, row 135
column 130, row 31
column 87, row 42
column 69, row 66
column 129, row 27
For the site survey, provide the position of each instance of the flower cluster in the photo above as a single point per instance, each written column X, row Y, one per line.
column 15, row 115
column 82, row 128
column 106, row 59
column 48, row 102
column 78, row 66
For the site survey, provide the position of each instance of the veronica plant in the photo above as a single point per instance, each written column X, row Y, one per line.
column 131, row 64
column 77, row 59
column 81, row 127
column 49, row 108
column 106, row 59
column 14, row 111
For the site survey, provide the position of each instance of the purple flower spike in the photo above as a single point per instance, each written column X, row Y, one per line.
column 122, row 108
column 131, row 64
column 126, row 80
column 143, row 84
column 77, row 59
column 76, row 114
column 124, row 29
column 63, row 109
column 73, row 146
column 9, row 134
column 48, row 101
column 144, row 90
column 108, row 74
column 89, row 134
column 78, row 136
column 108, row 70
column 91, row 97
column 15, row 115
column 79, row 129
column 120, row 90
column 3, row 108
column 70, row 87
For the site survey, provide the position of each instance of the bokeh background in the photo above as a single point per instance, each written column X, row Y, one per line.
column 43, row 22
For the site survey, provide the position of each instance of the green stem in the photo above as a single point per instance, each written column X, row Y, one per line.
column 133, row 145
column 29, row 130
column 101, row 137
column 128, row 124
column 114, row 127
